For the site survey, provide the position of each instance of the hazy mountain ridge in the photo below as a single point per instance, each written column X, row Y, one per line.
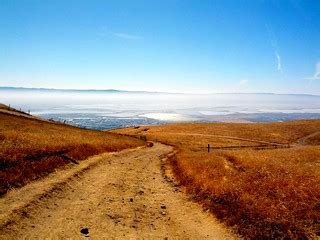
column 144, row 92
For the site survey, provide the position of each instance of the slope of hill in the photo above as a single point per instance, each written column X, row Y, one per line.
column 263, row 179
column 31, row 147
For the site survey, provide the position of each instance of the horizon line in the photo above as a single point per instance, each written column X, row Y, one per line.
column 144, row 91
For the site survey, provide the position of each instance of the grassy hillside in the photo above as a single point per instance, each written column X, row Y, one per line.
column 265, row 191
column 30, row 148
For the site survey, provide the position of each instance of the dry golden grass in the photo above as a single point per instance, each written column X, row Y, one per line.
column 2, row 106
column 264, row 194
column 314, row 140
column 30, row 148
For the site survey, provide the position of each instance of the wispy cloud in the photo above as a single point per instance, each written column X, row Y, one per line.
column 126, row 36
column 278, row 61
column 316, row 76
column 243, row 82
column 274, row 44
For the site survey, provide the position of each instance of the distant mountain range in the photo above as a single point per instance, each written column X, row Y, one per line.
column 135, row 92
column 72, row 90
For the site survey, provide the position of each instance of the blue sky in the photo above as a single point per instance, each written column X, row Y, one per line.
column 165, row 45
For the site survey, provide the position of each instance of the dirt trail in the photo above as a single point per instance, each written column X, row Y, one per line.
column 297, row 143
column 120, row 195
column 303, row 140
column 230, row 137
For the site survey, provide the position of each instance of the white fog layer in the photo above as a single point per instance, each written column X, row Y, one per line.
column 111, row 109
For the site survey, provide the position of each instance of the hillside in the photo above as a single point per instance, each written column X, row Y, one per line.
column 125, row 192
column 31, row 147
column 261, row 178
column 121, row 195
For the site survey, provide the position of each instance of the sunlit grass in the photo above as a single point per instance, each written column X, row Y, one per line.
column 30, row 148
column 265, row 194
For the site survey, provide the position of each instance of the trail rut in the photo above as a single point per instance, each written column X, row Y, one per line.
column 121, row 195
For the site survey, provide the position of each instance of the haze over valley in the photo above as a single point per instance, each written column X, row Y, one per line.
column 106, row 109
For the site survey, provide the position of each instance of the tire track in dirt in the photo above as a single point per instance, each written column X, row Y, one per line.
column 122, row 195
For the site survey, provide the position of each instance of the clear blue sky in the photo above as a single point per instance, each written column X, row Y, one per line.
column 164, row 45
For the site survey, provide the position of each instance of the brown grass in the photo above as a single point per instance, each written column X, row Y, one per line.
column 31, row 148
column 264, row 194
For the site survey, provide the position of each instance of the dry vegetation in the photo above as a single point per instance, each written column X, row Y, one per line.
column 263, row 194
column 30, row 148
